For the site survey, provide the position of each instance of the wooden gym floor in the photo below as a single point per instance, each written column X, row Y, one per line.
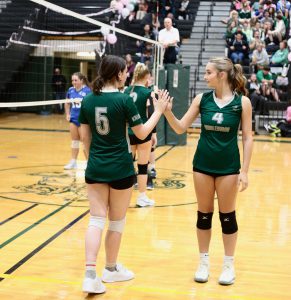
column 44, row 215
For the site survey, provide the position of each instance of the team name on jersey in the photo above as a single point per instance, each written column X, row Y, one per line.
column 217, row 128
column 136, row 117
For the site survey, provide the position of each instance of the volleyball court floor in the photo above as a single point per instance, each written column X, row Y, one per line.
column 44, row 215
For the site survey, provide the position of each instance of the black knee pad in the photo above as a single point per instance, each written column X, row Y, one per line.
column 204, row 220
column 152, row 149
column 228, row 222
column 142, row 169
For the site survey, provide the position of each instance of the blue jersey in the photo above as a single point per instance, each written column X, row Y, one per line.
column 76, row 98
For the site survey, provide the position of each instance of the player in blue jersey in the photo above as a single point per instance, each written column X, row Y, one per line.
column 76, row 93
column 105, row 116
column 216, row 164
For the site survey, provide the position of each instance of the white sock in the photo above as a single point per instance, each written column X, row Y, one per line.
column 152, row 166
column 142, row 194
column 228, row 259
column 90, row 270
column 204, row 257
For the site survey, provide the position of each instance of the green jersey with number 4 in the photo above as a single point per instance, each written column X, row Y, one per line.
column 107, row 115
column 217, row 150
column 140, row 95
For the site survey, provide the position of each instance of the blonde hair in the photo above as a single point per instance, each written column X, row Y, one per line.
column 235, row 76
column 140, row 71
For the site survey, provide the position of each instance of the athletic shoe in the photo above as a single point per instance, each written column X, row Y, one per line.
column 143, row 201
column 150, row 184
column 71, row 165
column 120, row 274
column 202, row 273
column 227, row 275
column 93, row 285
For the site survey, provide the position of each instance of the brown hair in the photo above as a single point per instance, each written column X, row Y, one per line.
column 82, row 77
column 235, row 77
column 109, row 69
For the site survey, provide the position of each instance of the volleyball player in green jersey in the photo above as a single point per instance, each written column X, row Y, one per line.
column 216, row 164
column 141, row 95
column 109, row 174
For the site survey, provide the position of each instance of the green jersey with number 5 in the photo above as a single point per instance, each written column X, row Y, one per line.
column 217, row 150
column 108, row 116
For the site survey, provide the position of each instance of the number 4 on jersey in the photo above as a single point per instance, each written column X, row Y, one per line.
column 218, row 117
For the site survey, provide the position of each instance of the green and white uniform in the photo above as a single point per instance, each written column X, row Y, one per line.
column 217, row 151
column 107, row 114
column 140, row 95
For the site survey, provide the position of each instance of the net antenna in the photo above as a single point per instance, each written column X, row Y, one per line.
column 158, row 58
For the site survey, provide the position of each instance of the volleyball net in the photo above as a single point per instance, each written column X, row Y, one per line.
column 70, row 39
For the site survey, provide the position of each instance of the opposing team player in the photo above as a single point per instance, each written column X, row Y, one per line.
column 76, row 93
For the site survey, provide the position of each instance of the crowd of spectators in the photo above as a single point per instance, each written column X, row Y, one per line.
column 257, row 37
column 158, row 21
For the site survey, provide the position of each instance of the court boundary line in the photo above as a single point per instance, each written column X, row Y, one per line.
column 2, row 245
column 41, row 246
column 19, row 213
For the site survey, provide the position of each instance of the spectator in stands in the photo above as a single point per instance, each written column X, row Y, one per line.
column 167, row 6
column 169, row 37
column 245, row 12
column 267, row 18
column 260, row 58
column 280, row 57
column 280, row 29
column 271, row 45
column 148, row 33
column 182, row 13
column 256, row 6
column 269, row 4
column 265, row 78
column 130, row 69
column 238, row 49
column 255, row 41
column 259, row 14
column 58, row 84
column 142, row 10
column 284, row 6
column 258, row 101
column 246, row 29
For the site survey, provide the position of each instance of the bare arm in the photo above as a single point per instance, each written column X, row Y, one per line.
column 180, row 126
column 143, row 130
column 86, row 136
column 247, row 140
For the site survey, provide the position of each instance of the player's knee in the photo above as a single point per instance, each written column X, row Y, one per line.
column 142, row 169
column 117, row 226
column 204, row 220
column 98, row 222
column 75, row 144
column 228, row 222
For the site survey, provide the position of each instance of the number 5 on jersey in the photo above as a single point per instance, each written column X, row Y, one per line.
column 101, row 120
column 218, row 117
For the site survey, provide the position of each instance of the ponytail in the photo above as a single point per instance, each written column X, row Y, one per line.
column 97, row 85
column 83, row 78
column 238, row 80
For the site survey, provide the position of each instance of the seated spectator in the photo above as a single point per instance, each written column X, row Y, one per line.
column 284, row 6
column 142, row 10
column 265, row 77
column 260, row 58
column 238, row 49
column 130, row 69
column 269, row 4
column 182, row 12
column 280, row 29
column 246, row 29
column 245, row 12
column 256, row 6
column 280, row 57
column 267, row 18
column 272, row 45
column 232, row 38
column 257, row 99
column 259, row 14
column 148, row 33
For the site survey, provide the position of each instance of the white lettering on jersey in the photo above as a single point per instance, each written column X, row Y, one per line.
column 136, row 117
